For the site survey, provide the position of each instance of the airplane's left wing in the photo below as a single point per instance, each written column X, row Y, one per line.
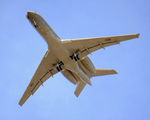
column 89, row 45
column 43, row 72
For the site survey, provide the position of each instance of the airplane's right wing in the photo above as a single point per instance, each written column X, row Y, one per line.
column 43, row 72
column 88, row 45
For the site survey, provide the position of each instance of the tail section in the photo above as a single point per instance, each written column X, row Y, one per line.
column 79, row 88
column 100, row 72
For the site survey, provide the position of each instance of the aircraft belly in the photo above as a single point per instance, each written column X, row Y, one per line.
column 84, row 77
column 63, row 55
column 60, row 52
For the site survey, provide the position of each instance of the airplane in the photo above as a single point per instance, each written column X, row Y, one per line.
column 68, row 57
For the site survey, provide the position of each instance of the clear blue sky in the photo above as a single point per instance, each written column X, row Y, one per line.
column 125, row 96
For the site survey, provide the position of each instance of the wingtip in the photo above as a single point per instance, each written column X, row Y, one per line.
column 115, row 72
column 137, row 35
column 76, row 94
column 20, row 104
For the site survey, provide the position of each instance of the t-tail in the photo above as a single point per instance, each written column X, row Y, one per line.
column 99, row 72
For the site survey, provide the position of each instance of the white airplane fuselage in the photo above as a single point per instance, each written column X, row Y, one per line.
column 54, row 42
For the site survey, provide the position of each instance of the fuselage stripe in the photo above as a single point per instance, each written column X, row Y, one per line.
column 45, row 31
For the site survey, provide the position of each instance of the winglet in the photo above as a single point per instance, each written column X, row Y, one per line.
column 137, row 35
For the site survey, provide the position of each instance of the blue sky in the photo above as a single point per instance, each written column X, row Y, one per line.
column 124, row 96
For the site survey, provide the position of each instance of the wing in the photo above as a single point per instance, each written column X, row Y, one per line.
column 89, row 45
column 43, row 72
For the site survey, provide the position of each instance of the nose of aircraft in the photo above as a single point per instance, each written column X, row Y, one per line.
column 30, row 14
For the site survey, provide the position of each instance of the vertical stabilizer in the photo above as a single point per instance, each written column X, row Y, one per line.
column 79, row 88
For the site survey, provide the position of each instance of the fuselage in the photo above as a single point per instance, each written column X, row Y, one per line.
column 55, row 45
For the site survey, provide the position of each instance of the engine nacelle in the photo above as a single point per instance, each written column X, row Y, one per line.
column 87, row 63
column 69, row 76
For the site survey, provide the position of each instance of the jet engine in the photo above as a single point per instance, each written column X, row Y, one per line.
column 87, row 63
column 69, row 76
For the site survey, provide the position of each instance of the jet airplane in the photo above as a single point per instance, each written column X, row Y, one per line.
column 68, row 57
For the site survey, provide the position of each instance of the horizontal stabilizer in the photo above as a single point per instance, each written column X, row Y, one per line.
column 79, row 88
column 100, row 72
